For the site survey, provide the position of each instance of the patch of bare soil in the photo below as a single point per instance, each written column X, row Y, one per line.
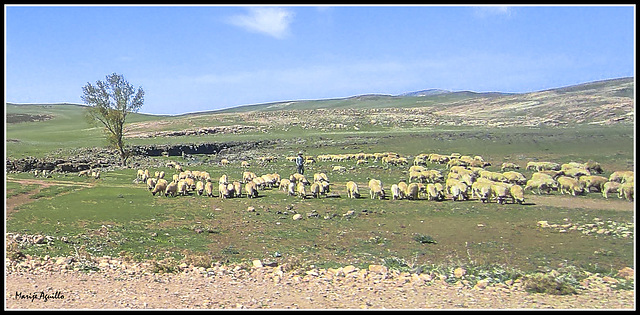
column 613, row 203
column 17, row 200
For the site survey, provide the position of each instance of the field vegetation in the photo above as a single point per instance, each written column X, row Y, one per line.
column 117, row 217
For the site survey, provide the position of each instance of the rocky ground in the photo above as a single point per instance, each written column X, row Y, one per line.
column 62, row 283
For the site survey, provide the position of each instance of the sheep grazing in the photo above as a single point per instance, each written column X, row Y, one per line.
column 621, row 176
column 87, row 172
column 610, row 187
column 543, row 166
column 251, row 190
column 458, row 191
column 315, row 190
column 412, row 191
column 182, row 187
column 499, row 193
column 593, row 167
column 237, row 188
column 151, row 183
column 517, row 194
column 301, row 190
column 482, row 190
column 199, row 188
column 352, row 190
column 223, row 191
column 224, row 179
column 626, row 191
column 172, row 189
column 433, row 193
column 320, row 177
column 509, row 166
column 593, row 181
column 208, row 189
column 515, row 177
column 291, row 188
column 395, row 192
column 569, row 185
column 160, row 187
column 375, row 189
column 284, row 184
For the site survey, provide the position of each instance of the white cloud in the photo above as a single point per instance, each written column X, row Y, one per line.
column 271, row 21
column 492, row 10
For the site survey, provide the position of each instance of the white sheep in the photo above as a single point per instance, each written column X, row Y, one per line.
column 458, row 191
column 291, row 188
column 433, row 193
column 237, row 188
column 182, row 187
column 593, row 181
column 208, row 188
column 251, row 190
column 517, row 194
column 499, row 193
column 376, row 189
column 199, row 187
column 412, row 191
column 352, row 190
column 395, row 192
column 301, row 190
column 160, row 187
column 621, row 176
column 569, row 185
column 172, row 189
column 626, row 191
column 223, row 191
column 315, row 190
column 509, row 166
column 151, row 183
column 610, row 187
column 482, row 190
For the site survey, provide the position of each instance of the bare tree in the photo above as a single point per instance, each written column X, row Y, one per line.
column 109, row 103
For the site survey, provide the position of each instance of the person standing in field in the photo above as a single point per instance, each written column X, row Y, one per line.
column 300, row 163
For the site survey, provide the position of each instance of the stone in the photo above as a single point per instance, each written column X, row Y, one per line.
column 257, row 263
column 626, row 273
column 380, row 269
column 459, row 272
column 297, row 216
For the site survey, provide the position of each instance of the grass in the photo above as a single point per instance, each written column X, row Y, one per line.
column 119, row 218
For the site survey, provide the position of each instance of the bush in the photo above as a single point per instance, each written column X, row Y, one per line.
column 549, row 283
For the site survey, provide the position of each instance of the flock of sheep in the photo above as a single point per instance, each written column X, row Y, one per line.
column 464, row 178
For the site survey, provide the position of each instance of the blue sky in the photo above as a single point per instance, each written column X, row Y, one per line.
column 197, row 58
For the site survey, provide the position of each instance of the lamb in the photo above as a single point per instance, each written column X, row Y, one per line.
column 172, row 189
column 352, row 190
column 569, row 185
column 412, row 191
column 324, row 188
column 251, row 190
column 208, row 188
column 593, row 181
column 95, row 174
column 87, row 172
column 151, row 183
column 375, row 189
column 626, row 191
column 517, row 194
column 482, row 190
column 610, row 187
column 160, row 187
column 315, row 190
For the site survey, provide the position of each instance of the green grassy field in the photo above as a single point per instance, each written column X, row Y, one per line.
column 116, row 217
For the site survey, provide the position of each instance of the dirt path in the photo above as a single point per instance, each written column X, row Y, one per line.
column 12, row 202
column 226, row 287
column 613, row 203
